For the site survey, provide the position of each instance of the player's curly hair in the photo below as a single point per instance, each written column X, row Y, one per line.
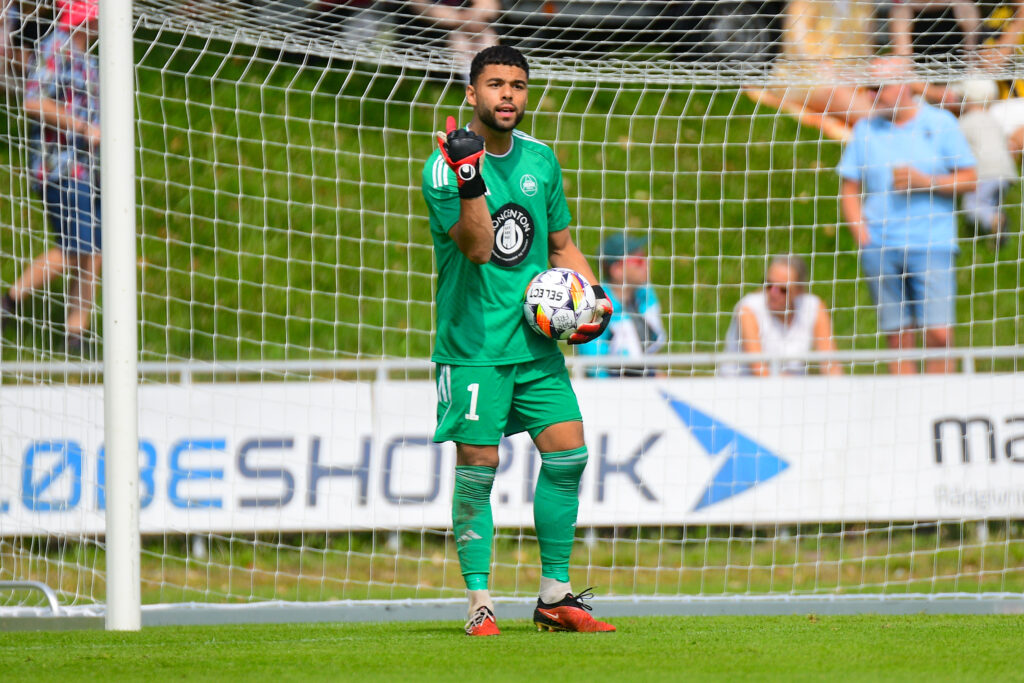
column 504, row 55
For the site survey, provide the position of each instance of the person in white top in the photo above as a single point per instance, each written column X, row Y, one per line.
column 997, row 170
column 783, row 318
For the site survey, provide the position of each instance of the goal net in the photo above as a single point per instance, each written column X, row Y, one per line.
column 285, row 273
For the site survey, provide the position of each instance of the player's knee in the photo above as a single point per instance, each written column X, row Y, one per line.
column 477, row 456
column 560, row 437
column 937, row 337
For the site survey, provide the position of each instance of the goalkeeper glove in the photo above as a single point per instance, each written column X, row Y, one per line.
column 602, row 316
column 463, row 151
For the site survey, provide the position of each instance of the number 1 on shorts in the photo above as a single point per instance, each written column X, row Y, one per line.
column 474, row 390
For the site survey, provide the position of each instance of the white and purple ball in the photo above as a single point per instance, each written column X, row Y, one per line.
column 558, row 301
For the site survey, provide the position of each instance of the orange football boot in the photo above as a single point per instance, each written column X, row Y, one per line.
column 569, row 614
column 482, row 623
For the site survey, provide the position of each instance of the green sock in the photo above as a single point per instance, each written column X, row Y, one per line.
column 554, row 509
column 472, row 523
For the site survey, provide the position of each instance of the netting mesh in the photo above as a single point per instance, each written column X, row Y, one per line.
column 280, row 220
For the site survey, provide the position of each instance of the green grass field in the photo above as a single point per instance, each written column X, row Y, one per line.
column 962, row 648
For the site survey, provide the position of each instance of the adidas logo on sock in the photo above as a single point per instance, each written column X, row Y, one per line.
column 469, row 536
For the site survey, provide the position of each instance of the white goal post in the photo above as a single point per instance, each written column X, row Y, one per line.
column 120, row 359
column 265, row 337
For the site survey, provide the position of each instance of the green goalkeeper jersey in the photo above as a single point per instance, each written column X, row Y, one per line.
column 480, row 307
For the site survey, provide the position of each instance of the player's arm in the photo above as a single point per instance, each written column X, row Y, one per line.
column 473, row 233
column 849, row 200
column 901, row 17
column 950, row 184
column 823, row 341
column 463, row 151
column 54, row 114
column 750, row 339
column 563, row 253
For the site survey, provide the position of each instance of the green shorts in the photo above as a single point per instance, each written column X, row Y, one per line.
column 477, row 404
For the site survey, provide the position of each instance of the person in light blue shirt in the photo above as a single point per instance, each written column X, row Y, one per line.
column 635, row 329
column 901, row 171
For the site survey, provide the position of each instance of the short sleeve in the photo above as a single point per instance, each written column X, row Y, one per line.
column 559, row 216
column 851, row 162
column 955, row 147
column 441, row 192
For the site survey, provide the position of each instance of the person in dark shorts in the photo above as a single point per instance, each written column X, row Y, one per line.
column 62, row 103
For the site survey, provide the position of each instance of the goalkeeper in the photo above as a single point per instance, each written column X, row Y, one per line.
column 498, row 217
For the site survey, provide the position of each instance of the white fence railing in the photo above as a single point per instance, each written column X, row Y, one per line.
column 272, row 370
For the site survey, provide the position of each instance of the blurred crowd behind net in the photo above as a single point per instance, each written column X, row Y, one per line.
column 710, row 37
column 280, row 144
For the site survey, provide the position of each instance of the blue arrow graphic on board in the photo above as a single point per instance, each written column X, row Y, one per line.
column 746, row 463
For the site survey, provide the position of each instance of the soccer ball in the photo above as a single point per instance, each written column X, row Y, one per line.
column 558, row 301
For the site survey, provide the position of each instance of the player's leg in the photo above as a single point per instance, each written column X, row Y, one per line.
column 999, row 226
column 473, row 528
column 81, row 296
column 545, row 405
column 42, row 270
column 85, row 243
column 50, row 263
column 884, row 271
column 934, row 275
column 563, row 457
column 472, row 409
column 983, row 206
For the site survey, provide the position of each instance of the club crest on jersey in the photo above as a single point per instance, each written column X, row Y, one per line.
column 528, row 184
column 513, row 235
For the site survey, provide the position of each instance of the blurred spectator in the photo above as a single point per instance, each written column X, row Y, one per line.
column 783, row 318
column 62, row 102
column 351, row 20
column 10, row 50
column 24, row 42
column 465, row 26
column 360, row 20
column 996, row 168
column 901, row 172
column 933, row 27
column 1002, row 35
column 1002, row 30
column 636, row 329
column 818, row 36
column 23, row 47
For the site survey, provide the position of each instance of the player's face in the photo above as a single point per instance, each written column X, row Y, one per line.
column 890, row 99
column 498, row 97
column 86, row 32
column 780, row 288
column 894, row 95
column 634, row 269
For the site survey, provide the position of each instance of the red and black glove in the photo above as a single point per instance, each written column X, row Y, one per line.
column 463, row 151
column 602, row 316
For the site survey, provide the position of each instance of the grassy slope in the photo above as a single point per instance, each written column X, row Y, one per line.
column 774, row 648
column 281, row 216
